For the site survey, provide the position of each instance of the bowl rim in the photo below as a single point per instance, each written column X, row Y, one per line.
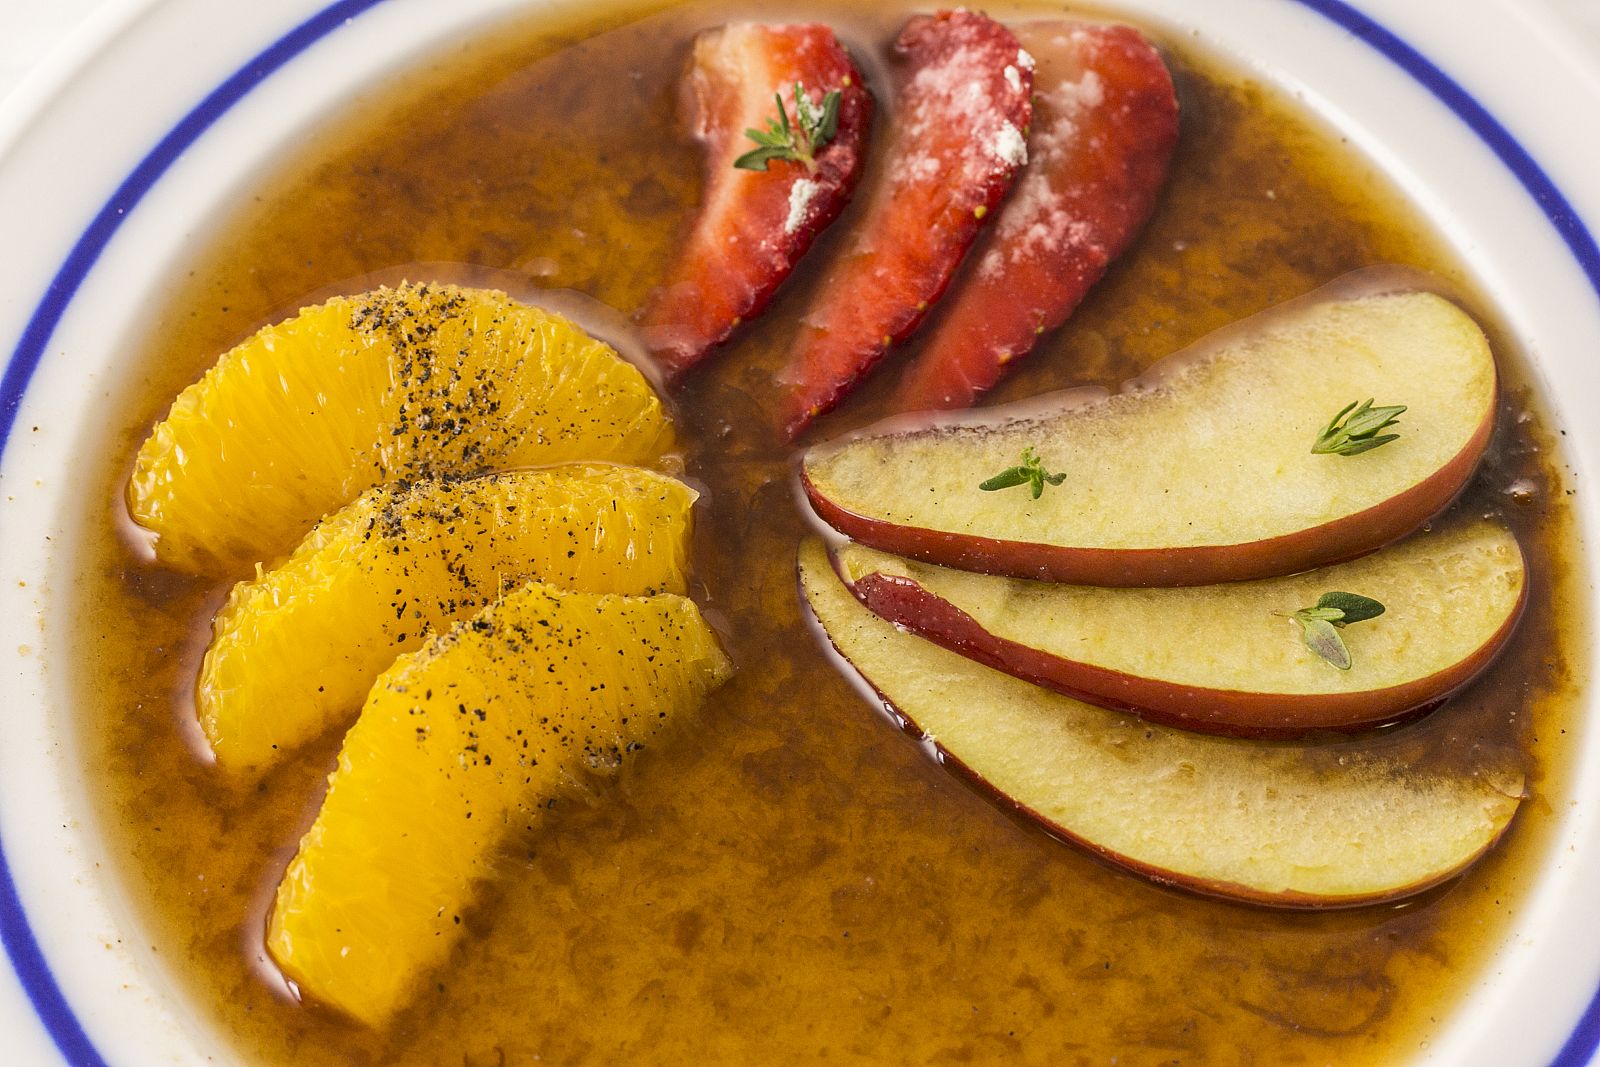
column 26, row 959
column 23, row 953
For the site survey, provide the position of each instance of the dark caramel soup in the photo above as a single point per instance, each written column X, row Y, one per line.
column 792, row 879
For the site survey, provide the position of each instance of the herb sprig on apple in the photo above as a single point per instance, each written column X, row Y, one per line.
column 1320, row 624
column 1361, row 432
column 1029, row 472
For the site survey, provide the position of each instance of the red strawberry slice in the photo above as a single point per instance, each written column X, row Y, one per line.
column 961, row 122
column 1105, row 123
column 755, row 225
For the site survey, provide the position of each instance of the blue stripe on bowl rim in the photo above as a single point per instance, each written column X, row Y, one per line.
column 23, row 950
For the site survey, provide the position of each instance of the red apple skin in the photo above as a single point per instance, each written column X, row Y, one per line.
column 1229, row 891
column 1226, row 712
column 1318, row 546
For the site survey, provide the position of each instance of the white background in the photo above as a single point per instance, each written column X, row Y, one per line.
column 30, row 30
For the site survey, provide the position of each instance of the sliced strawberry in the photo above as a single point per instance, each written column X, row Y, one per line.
column 755, row 225
column 1105, row 123
column 961, row 120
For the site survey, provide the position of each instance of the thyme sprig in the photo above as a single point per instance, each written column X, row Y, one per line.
column 1361, row 431
column 1029, row 472
column 813, row 127
column 1320, row 624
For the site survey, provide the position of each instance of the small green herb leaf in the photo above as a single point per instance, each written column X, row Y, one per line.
column 1005, row 479
column 1357, row 429
column 758, row 158
column 821, row 123
column 1320, row 624
column 1353, row 606
column 814, row 126
column 1322, row 638
column 1029, row 472
column 1322, row 613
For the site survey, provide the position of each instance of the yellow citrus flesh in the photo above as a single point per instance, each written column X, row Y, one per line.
column 294, row 651
column 459, row 745
column 418, row 381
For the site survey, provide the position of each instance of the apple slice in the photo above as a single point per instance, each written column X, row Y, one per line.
column 1287, row 825
column 1200, row 471
column 1226, row 659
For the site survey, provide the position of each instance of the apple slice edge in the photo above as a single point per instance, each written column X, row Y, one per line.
column 1235, row 712
column 962, row 536
column 1474, row 810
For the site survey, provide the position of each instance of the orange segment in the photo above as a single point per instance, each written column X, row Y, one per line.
column 295, row 650
column 459, row 745
column 419, row 381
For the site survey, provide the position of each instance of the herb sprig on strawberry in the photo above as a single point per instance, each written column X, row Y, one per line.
column 814, row 127
column 761, row 208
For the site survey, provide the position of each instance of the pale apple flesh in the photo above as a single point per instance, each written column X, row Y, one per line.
column 1288, row 825
column 1227, row 659
column 1202, row 470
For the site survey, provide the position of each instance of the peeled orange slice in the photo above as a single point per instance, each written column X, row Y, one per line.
column 294, row 651
column 412, row 382
column 459, row 745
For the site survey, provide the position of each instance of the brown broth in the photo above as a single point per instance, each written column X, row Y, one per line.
column 793, row 879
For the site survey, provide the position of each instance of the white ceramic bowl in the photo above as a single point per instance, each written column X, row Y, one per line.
column 141, row 137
